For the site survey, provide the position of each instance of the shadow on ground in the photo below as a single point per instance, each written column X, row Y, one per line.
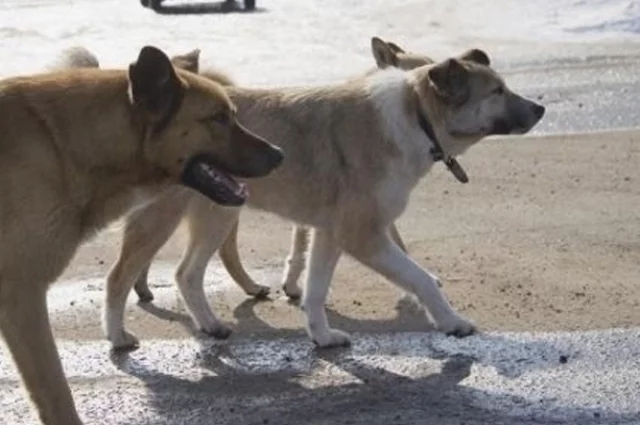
column 513, row 359
column 289, row 382
column 379, row 396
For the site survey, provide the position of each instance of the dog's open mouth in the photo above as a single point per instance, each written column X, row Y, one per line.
column 204, row 175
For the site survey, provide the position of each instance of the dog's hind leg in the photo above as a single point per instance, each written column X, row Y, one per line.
column 324, row 256
column 295, row 263
column 231, row 260
column 145, row 232
column 382, row 255
column 208, row 228
column 142, row 286
column 24, row 323
column 230, row 257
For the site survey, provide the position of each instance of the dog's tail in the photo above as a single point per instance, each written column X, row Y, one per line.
column 75, row 57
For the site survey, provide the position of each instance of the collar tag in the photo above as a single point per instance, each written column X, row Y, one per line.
column 456, row 169
column 437, row 153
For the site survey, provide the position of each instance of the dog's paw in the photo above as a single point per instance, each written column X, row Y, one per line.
column 145, row 295
column 457, row 326
column 292, row 290
column 217, row 330
column 332, row 338
column 124, row 341
column 258, row 291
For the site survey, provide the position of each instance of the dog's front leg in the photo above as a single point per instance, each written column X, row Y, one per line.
column 325, row 252
column 395, row 236
column 294, row 266
column 24, row 323
column 146, row 230
column 209, row 226
column 384, row 256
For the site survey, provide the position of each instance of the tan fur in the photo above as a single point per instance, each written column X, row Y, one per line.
column 75, row 57
column 79, row 149
column 354, row 153
column 386, row 54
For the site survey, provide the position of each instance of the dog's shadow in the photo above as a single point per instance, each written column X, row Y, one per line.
column 228, row 392
column 510, row 357
column 409, row 317
column 167, row 7
column 171, row 398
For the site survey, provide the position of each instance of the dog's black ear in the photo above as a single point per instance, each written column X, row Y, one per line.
column 189, row 61
column 154, row 85
column 450, row 79
column 383, row 53
column 477, row 56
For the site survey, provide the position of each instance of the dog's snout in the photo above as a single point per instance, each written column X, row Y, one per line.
column 275, row 156
column 538, row 110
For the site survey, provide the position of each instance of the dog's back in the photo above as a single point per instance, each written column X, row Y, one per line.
column 81, row 57
column 75, row 57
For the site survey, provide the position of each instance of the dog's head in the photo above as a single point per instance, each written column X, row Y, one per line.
column 191, row 62
column 74, row 57
column 191, row 130
column 388, row 54
column 472, row 100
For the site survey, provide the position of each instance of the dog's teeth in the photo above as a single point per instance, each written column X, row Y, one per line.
column 211, row 172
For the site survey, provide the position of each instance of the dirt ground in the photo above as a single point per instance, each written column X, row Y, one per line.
column 546, row 236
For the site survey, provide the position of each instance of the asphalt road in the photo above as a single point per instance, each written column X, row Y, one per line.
column 403, row 379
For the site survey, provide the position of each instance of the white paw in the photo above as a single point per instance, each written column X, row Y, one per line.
column 123, row 340
column 331, row 338
column 218, row 330
column 457, row 325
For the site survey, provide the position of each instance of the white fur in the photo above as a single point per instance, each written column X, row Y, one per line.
column 388, row 91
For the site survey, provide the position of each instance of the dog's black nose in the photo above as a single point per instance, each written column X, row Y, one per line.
column 538, row 110
column 275, row 156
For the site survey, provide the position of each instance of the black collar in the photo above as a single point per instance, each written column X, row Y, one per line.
column 438, row 154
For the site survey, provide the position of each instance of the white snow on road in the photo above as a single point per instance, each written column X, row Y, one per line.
column 292, row 41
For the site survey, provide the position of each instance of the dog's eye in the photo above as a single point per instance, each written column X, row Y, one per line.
column 498, row 90
column 221, row 118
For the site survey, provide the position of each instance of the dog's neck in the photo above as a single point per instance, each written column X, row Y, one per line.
column 437, row 152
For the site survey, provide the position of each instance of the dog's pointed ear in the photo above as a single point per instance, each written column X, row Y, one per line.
column 154, row 85
column 189, row 61
column 382, row 53
column 477, row 56
column 394, row 47
column 450, row 79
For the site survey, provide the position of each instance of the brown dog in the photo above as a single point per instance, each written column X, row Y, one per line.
column 79, row 149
